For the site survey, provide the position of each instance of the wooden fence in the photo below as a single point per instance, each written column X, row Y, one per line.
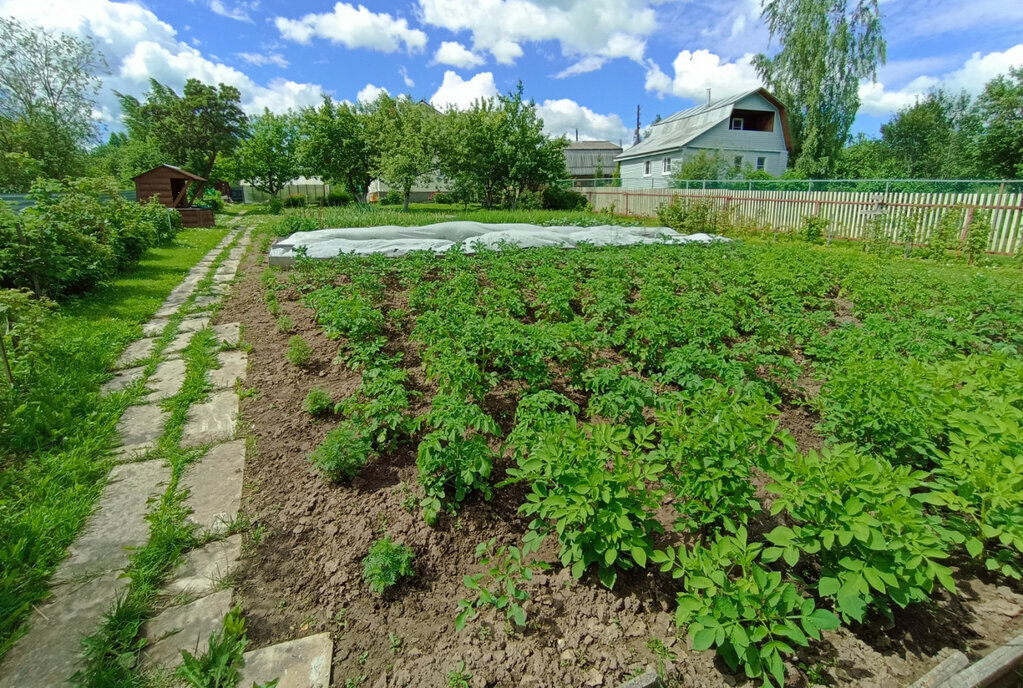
column 852, row 214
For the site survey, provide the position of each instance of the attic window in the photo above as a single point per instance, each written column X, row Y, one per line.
column 752, row 120
column 736, row 124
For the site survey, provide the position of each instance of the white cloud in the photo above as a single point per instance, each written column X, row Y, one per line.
column 607, row 28
column 875, row 99
column 564, row 117
column 587, row 64
column 699, row 70
column 138, row 46
column 457, row 55
column 238, row 12
column 261, row 59
column 458, row 93
column 369, row 93
column 406, row 78
column 354, row 28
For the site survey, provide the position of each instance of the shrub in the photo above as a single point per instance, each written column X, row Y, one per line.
column 337, row 198
column 386, row 563
column 295, row 201
column 443, row 198
column 318, row 403
column 392, row 198
column 299, row 352
column 274, row 205
column 945, row 235
column 530, row 200
column 295, row 223
column 691, row 216
column 285, row 324
column 557, row 198
column 813, row 229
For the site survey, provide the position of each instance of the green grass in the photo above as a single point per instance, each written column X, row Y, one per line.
column 55, row 427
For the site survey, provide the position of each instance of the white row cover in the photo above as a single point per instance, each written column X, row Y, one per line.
column 392, row 241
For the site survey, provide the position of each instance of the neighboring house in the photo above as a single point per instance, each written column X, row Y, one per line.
column 424, row 191
column 585, row 159
column 749, row 128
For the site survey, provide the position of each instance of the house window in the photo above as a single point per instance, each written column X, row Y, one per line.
column 761, row 163
column 737, row 123
column 646, row 169
column 666, row 166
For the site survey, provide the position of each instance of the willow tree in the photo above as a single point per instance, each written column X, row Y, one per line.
column 827, row 48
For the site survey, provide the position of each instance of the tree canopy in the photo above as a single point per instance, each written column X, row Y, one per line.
column 334, row 145
column 268, row 158
column 1000, row 108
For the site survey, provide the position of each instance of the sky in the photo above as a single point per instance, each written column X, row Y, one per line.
column 587, row 63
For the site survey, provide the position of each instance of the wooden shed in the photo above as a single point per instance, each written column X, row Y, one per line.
column 169, row 185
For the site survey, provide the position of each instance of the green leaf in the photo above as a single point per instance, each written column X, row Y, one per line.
column 828, row 586
column 639, row 556
column 974, row 547
column 703, row 639
column 607, row 577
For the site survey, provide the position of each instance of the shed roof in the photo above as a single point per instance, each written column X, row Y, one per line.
column 679, row 129
column 592, row 145
column 184, row 173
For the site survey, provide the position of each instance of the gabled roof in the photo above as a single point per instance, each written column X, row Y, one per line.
column 592, row 145
column 178, row 170
column 681, row 128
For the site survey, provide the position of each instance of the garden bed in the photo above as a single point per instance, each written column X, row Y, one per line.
column 747, row 357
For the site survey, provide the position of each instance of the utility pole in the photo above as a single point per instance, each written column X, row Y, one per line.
column 636, row 138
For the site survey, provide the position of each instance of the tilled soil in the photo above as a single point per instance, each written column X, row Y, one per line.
column 302, row 571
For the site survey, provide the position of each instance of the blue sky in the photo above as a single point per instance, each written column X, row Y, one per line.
column 588, row 63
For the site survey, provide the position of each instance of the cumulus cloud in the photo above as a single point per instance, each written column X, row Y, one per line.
column 238, row 12
column 138, row 46
column 564, row 117
column 876, row 99
column 262, row 59
column 606, row 28
column 369, row 93
column 354, row 27
column 457, row 55
column 409, row 83
column 696, row 71
column 459, row 94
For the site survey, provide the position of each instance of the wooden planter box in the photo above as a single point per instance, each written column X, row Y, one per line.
column 196, row 217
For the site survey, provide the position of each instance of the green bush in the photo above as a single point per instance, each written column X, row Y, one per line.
column 299, row 352
column 337, row 198
column 813, row 229
column 557, row 198
column 318, row 402
column 530, row 200
column 392, row 198
column 295, row 223
column 691, row 216
column 295, row 201
column 443, row 198
column 387, row 563
column 285, row 324
column 274, row 206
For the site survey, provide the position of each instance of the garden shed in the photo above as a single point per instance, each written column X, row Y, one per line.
column 169, row 185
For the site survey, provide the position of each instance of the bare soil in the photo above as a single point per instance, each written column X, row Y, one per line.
column 302, row 571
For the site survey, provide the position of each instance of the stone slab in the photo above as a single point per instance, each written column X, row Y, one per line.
column 122, row 380
column 136, row 351
column 210, row 422
column 233, row 365
column 302, row 663
column 154, row 328
column 51, row 651
column 167, row 310
column 205, row 302
column 204, row 569
column 648, row 679
column 166, row 380
column 178, row 344
column 228, row 333
column 118, row 522
column 215, row 487
column 193, row 324
column 187, row 627
column 140, row 427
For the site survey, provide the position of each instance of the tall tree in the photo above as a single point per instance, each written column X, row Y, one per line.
column 933, row 139
column 404, row 133
column 537, row 160
column 268, row 158
column 193, row 128
column 1000, row 107
column 334, row 145
column 47, row 88
column 827, row 48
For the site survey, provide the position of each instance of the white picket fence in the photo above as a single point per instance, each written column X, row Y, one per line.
column 850, row 213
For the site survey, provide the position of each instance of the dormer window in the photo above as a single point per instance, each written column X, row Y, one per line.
column 737, row 123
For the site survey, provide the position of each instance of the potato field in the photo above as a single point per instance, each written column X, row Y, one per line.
column 746, row 461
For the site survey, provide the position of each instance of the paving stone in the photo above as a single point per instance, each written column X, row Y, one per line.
column 167, row 311
column 193, row 324
column 139, row 428
column 187, row 627
column 178, row 344
column 205, row 302
column 221, row 289
column 136, row 351
column 154, row 328
column 303, row 663
column 229, row 333
column 230, row 265
column 166, row 380
column 118, row 521
column 213, row 421
column 215, row 486
column 123, row 379
column 50, row 652
column 204, row 569
column 232, row 367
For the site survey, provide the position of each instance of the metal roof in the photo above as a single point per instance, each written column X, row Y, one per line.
column 679, row 129
column 592, row 145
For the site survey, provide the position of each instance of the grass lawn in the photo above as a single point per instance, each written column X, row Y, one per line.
column 55, row 426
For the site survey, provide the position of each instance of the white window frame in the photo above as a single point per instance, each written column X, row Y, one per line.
column 740, row 120
column 646, row 168
column 666, row 166
column 761, row 162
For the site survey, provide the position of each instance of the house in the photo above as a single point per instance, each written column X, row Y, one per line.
column 749, row 128
column 169, row 186
column 585, row 159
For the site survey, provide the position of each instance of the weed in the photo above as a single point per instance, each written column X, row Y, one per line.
column 363, row 657
column 318, row 402
column 396, row 642
column 459, row 677
column 501, row 586
column 386, row 563
column 299, row 352
column 285, row 324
